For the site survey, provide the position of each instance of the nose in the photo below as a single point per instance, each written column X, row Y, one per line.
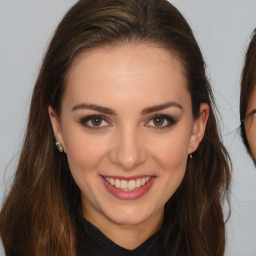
column 128, row 150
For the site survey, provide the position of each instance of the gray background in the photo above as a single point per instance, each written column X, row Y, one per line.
column 222, row 29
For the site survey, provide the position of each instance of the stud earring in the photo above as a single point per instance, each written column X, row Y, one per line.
column 59, row 147
column 190, row 156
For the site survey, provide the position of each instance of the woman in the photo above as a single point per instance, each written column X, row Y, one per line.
column 139, row 167
column 248, row 99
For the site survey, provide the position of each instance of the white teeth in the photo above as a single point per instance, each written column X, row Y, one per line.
column 127, row 185
column 117, row 183
column 124, row 184
column 112, row 181
column 138, row 183
column 131, row 185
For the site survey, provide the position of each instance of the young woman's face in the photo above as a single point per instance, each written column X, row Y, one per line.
column 126, row 126
column 250, row 124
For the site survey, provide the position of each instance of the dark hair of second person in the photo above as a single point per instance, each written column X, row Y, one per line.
column 248, row 98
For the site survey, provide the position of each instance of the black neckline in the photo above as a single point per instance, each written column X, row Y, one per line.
column 89, row 238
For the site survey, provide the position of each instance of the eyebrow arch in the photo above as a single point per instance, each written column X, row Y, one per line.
column 94, row 107
column 109, row 111
column 149, row 110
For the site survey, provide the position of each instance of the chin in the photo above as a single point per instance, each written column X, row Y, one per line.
column 133, row 215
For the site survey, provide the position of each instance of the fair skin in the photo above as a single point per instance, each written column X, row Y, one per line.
column 250, row 123
column 126, row 119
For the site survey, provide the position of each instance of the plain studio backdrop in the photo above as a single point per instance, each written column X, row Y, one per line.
column 222, row 29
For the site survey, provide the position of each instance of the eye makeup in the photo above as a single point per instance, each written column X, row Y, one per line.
column 250, row 114
column 161, row 121
column 94, row 122
column 157, row 121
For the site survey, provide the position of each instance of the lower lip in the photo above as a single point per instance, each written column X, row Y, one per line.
column 129, row 195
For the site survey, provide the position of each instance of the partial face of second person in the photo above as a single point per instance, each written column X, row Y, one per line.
column 250, row 123
column 127, row 128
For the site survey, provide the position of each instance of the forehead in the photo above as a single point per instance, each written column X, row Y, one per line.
column 130, row 51
column 125, row 70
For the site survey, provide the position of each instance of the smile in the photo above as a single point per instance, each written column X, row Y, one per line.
column 127, row 185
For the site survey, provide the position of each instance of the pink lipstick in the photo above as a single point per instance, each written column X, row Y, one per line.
column 130, row 188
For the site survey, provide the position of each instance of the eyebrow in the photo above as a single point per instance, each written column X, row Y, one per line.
column 94, row 107
column 109, row 111
column 149, row 110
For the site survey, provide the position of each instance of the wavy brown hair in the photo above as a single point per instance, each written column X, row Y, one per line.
column 37, row 217
column 248, row 83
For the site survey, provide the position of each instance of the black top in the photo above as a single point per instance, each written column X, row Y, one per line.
column 91, row 241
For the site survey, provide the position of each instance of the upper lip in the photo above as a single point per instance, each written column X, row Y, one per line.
column 127, row 178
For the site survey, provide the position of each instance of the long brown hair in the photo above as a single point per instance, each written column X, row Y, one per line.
column 248, row 83
column 37, row 217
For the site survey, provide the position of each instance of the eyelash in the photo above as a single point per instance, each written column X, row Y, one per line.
column 84, row 121
column 169, row 119
column 252, row 112
column 166, row 118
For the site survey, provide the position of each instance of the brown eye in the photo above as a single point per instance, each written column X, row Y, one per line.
column 158, row 121
column 96, row 121
column 161, row 121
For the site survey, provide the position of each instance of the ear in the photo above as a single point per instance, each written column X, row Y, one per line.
column 56, row 126
column 198, row 129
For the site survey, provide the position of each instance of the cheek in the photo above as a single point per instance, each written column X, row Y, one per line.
column 84, row 155
column 83, row 151
column 171, row 157
column 250, row 129
column 172, row 152
column 81, row 156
